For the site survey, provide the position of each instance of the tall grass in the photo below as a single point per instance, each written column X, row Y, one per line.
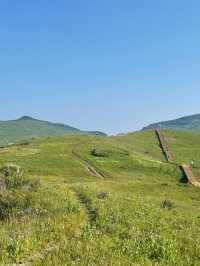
column 54, row 212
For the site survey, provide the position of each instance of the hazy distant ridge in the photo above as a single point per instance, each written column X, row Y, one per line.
column 191, row 122
column 27, row 127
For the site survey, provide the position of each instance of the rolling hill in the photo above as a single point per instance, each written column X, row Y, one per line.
column 191, row 122
column 59, row 211
column 27, row 127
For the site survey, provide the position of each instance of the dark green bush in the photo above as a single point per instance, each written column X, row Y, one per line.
column 24, row 143
column 99, row 153
column 106, row 153
column 167, row 204
column 103, row 195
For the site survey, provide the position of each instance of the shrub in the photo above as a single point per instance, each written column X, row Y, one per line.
column 103, row 195
column 99, row 153
column 24, row 143
column 167, row 204
column 107, row 153
column 15, row 191
column 11, row 176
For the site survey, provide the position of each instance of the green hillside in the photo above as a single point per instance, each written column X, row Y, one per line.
column 57, row 211
column 27, row 127
column 185, row 123
column 185, row 146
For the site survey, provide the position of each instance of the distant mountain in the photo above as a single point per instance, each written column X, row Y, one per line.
column 27, row 127
column 191, row 122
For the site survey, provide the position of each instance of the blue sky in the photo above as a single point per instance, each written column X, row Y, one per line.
column 108, row 65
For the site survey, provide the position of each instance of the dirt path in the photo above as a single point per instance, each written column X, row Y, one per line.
column 92, row 213
column 93, row 171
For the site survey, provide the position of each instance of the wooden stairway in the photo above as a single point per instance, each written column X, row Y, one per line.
column 164, row 145
column 185, row 169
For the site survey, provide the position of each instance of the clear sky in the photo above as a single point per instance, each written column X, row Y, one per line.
column 105, row 65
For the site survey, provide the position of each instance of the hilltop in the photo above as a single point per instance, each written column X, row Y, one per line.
column 191, row 122
column 27, row 127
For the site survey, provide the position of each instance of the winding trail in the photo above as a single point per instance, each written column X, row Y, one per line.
column 93, row 171
column 41, row 255
column 185, row 169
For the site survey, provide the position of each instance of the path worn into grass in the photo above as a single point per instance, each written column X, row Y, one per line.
column 185, row 169
column 39, row 256
column 93, row 171
column 92, row 213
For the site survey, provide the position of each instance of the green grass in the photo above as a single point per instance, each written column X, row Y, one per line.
column 185, row 146
column 141, row 142
column 139, row 214
column 28, row 128
column 186, row 123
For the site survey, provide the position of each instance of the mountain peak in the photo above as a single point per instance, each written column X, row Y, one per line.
column 26, row 118
column 27, row 127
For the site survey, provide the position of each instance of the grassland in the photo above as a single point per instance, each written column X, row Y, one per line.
column 185, row 147
column 138, row 214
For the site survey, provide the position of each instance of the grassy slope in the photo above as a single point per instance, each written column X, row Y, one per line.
column 185, row 146
column 27, row 128
column 24, row 128
column 191, row 122
column 139, row 215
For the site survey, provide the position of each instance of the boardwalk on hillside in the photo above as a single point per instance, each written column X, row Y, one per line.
column 186, row 170
column 164, row 145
